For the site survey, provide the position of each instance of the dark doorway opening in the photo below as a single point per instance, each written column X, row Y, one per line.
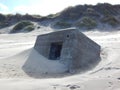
column 55, row 51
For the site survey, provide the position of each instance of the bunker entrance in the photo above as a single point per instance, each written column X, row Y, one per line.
column 55, row 51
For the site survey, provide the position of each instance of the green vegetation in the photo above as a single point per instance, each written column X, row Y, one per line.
column 21, row 25
column 111, row 20
column 2, row 21
column 106, row 12
column 86, row 22
column 2, row 17
column 62, row 24
column 3, row 24
column 53, row 15
column 29, row 28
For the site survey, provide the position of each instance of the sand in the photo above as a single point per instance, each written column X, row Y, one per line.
column 22, row 68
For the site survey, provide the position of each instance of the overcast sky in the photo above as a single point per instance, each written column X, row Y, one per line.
column 44, row 7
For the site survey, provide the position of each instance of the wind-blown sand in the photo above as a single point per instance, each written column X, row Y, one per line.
column 19, row 64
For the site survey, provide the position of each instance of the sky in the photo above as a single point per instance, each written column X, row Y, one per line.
column 44, row 7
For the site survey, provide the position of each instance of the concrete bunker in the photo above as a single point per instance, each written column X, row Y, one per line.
column 70, row 47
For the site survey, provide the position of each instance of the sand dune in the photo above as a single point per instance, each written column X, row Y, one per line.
column 20, row 65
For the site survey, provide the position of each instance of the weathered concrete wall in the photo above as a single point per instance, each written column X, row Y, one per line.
column 43, row 42
column 78, row 51
column 86, row 52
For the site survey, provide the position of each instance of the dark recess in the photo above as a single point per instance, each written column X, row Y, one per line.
column 55, row 51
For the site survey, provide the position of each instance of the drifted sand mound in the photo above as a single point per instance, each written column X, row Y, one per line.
column 37, row 65
column 30, row 64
